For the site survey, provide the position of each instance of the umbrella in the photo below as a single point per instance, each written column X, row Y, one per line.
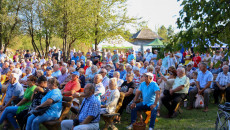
column 156, row 44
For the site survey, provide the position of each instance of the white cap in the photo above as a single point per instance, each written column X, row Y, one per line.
column 149, row 74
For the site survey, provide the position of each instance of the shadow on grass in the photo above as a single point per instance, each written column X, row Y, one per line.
column 188, row 120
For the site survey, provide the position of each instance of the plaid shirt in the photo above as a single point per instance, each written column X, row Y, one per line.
column 91, row 107
column 223, row 79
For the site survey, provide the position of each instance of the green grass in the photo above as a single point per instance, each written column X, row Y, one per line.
column 188, row 119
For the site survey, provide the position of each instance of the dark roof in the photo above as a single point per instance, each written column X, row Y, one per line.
column 146, row 34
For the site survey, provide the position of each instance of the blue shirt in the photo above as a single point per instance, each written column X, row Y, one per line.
column 204, row 78
column 56, row 74
column 83, row 58
column 75, row 59
column 122, row 73
column 130, row 57
column 56, row 108
column 90, row 107
column 148, row 92
column 165, row 62
column 14, row 90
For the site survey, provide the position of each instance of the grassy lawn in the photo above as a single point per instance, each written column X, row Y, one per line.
column 189, row 119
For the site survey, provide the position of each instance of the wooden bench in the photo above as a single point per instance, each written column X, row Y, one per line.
column 108, row 118
column 55, row 124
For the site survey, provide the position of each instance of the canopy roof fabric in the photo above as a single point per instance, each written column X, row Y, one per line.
column 157, row 43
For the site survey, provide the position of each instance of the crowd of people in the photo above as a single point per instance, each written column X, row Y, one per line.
column 96, row 79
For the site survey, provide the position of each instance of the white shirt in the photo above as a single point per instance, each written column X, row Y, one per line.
column 148, row 56
column 42, row 61
column 143, row 70
column 99, row 89
column 179, row 59
column 88, row 71
column 172, row 62
column 105, row 81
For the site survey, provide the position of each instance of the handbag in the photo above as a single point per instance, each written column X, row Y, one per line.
column 40, row 111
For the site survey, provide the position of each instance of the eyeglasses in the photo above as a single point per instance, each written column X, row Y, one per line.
column 101, row 72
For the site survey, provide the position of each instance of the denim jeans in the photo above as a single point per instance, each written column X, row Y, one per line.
column 68, row 124
column 9, row 113
column 33, row 121
column 141, row 107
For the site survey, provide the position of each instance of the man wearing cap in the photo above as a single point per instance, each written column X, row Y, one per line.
column 130, row 56
column 13, row 92
column 148, row 56
column 72, row 86
column 115, row 58
column 28, row 73
column 48, row 73
column 151, row 94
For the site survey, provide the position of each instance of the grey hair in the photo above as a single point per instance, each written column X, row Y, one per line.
column 91, row 87
column 129, row 66
column 40, row 71
column 94, row 67
column 181, row 69
column 204, row 64
column 135, row 68
column 114, row 80
column 29, row 68
column 225, row 66
column 116, row 72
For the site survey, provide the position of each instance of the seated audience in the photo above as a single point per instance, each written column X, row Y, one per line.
column 72, row 86
column 222, row 83
column 127, row 87
column 177, row 93
column 89, row 113
column 110, row 98
column 204, row 81
column 151, row 94
column 53, row 99
column 11, row 111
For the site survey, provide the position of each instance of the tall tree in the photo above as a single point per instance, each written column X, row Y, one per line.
column 163, row 32
column 203, row 21
column 74, row 21
column 9, row 21
column 110, row 18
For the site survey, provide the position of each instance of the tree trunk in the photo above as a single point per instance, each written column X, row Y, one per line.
column 47, row 44
column 40, row 41
column 1, row 26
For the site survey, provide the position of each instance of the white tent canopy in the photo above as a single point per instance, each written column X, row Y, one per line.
column 117, row 41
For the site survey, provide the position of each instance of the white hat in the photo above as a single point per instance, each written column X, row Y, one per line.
column 149, row 74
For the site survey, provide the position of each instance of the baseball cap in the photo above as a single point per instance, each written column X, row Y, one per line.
column 48, row 68
column 76, row 73
column 149, row 74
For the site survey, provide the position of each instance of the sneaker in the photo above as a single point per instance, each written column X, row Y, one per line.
column 130, row 127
